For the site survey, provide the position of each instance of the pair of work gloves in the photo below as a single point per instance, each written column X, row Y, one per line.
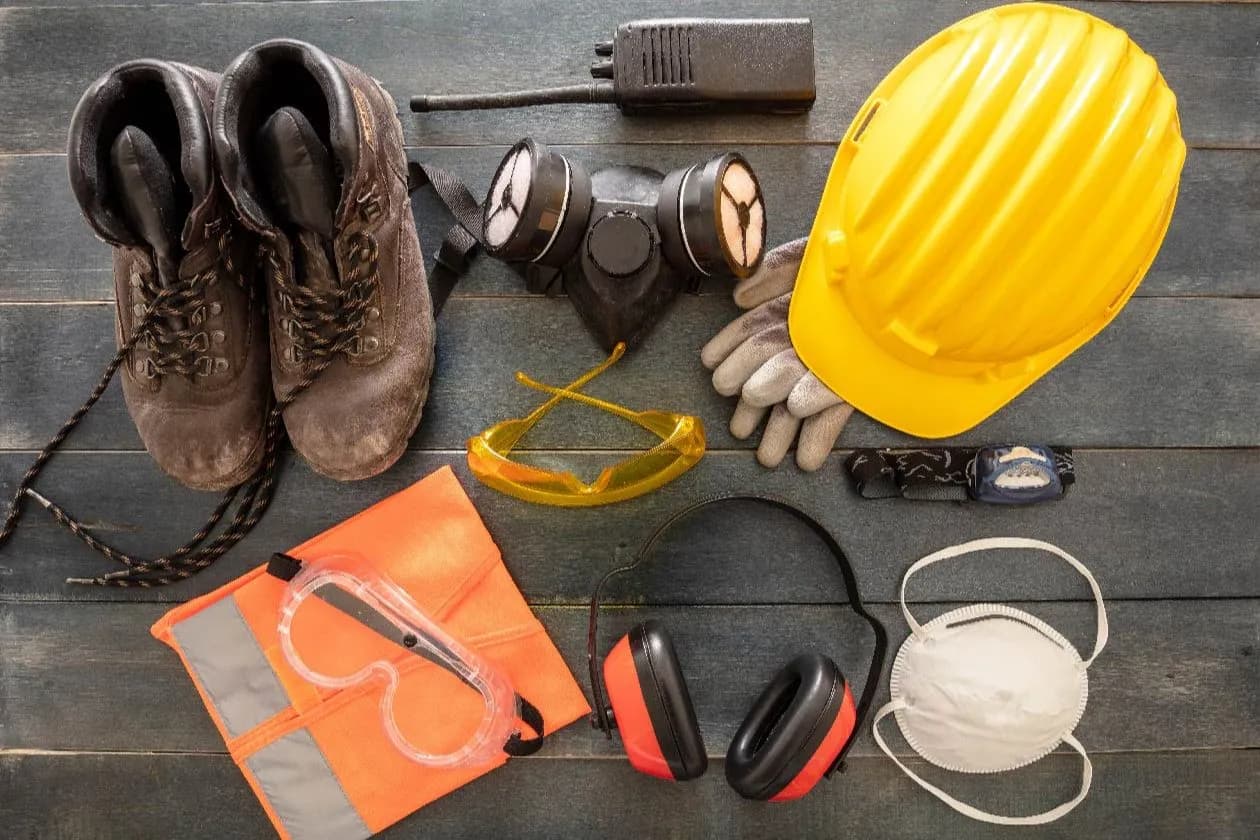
column 753, row 357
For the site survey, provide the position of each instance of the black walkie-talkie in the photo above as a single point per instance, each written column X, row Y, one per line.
column 694, row 64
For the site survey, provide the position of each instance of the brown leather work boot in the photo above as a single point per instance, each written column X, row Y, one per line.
column 141, row 161
column 311, row 152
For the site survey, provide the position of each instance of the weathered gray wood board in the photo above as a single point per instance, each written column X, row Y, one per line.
column 1205, row 51
column 48, row 252
column 1207, row 795
column 1150, row 523
column 1167, row 372
column 102, row 734
column 130, row 693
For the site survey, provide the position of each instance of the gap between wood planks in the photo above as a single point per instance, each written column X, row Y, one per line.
column 23, row 752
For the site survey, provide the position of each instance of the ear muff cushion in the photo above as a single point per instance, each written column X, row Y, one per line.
column 667, row 700
column 792, row 723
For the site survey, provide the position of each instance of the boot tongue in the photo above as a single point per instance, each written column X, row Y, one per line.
column 300, row 178
column 146, row 190
column 299, row 175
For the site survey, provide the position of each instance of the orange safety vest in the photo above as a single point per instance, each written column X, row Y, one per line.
column 319, row 760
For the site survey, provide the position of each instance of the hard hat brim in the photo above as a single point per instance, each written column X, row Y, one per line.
column 926, row 396
column 837, row 349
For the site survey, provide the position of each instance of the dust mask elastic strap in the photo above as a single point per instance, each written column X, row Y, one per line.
column 989, row 543
column 1087, row 773
column 1087, row 777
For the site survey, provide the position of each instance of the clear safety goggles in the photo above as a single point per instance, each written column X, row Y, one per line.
column 682, row 445
column 442, row 704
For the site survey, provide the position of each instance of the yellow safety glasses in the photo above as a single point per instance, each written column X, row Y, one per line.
column 682, row 445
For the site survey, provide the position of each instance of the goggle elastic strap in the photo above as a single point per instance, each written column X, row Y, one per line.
column 286, row 567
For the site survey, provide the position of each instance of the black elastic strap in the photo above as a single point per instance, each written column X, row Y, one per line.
column 462, row 240
column 600, row 716
column 286, row 568
column 937, row 474
column 283, row 566
column 517, row 746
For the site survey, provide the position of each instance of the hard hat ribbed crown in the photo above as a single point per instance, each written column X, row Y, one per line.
column 1010, row 185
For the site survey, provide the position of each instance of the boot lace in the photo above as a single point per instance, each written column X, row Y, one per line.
column 172, row 336
column 321, row 324
column 330, row 326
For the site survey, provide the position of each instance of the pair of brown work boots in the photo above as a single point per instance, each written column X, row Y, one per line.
column 264, row 248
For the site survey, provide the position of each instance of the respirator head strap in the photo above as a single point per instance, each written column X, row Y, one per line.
column 463, row 239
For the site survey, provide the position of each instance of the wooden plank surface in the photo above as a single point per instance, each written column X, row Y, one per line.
column 1207, row 795
column 1189, row 374
column 48, row 252
column 1140, row 687
column 101, row 733
column 1150, row 523
column 1207, row 53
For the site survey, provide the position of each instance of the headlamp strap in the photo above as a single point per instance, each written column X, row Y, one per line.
column 999, row 474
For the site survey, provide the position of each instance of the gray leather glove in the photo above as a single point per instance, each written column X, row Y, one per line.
column 753, row 357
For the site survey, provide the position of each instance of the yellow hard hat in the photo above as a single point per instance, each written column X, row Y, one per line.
column 994, row 204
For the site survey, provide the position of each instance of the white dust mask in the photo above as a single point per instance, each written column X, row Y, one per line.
column 988, row 688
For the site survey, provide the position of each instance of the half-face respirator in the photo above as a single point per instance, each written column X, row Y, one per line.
column 625, row 240
column 622, row 241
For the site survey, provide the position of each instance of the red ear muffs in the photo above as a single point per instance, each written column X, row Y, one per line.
column 651, row 706
column 793, row 732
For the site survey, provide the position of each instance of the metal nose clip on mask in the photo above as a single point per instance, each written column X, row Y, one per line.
column 625, row 240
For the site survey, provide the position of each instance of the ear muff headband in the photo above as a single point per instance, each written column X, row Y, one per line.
column 599, row 717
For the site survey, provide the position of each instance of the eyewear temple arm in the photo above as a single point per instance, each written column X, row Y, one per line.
column 529, row 421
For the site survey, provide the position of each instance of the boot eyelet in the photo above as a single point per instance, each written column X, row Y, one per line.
column 216, row 308
column 218, row 337
column 220, row 364
column 370, row 209
column 371, row 343
column 139, row 310
column 373, row 313
column 204, row 365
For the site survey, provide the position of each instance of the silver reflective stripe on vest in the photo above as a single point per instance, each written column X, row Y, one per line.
column 303, row 792
column 295, row 777
column 230, row 666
